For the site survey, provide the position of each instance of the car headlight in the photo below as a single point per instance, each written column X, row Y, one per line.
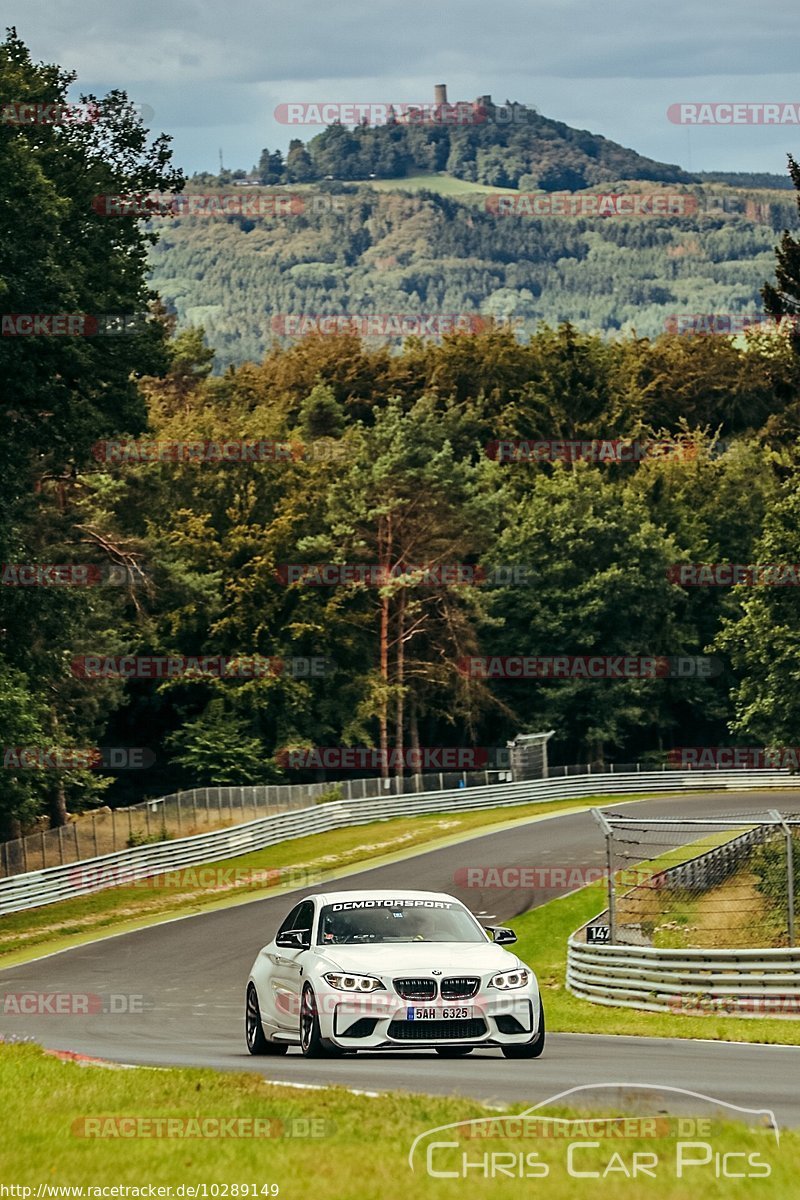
column 353, row 983
column 506, row 980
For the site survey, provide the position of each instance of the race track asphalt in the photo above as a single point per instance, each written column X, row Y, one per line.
column 191, row 973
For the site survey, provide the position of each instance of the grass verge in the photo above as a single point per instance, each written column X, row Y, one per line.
column 362, row 1146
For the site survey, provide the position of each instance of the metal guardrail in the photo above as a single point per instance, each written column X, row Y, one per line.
column 758, row 981
column 105, row 830
column 761, row 981
column 715, row 866
column 36, row 888
column 199, row 810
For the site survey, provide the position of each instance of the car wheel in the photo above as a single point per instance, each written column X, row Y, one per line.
column 529, row 1049
column 312, row 1044
column 454, row 1051
column 257, row 1040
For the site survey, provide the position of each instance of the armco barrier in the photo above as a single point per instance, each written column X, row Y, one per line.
column 760, row 982
column 646, row 977
column 36, row 888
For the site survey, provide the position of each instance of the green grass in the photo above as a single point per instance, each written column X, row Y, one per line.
column 306, row 860
column 363, row 1151
column 439, row 182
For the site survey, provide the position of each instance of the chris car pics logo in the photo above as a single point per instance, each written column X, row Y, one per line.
column 652, row 1144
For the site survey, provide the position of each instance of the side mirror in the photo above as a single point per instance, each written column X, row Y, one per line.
column 502, row 936
column 293, row 939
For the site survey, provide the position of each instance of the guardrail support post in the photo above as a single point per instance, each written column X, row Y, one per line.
column 612, row 900
column 776, row 816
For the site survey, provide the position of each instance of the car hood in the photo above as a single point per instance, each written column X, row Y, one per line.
column 421, row 958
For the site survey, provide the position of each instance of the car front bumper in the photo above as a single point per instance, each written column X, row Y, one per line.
column 383, row 1021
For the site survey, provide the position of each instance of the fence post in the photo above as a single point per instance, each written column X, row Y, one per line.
column 77, row 847
column 44, row 856
column 113, row 829
column 776, row 816
column 24, row 854
column 61, row 844
column 612, row 900
column 94, row 833
column 194, row 805
column 147, row 816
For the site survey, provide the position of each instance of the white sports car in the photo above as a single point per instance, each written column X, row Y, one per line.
column 382, row 970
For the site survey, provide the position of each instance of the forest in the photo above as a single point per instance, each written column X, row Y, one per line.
column 178, row 494
column 360, row 252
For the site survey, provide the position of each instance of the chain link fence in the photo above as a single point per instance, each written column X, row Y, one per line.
column 106, row 830
column 703, row 883
column 183, row 814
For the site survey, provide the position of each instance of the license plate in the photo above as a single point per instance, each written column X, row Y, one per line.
column 419, row 1012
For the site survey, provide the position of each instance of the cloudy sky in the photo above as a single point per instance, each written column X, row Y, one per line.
column 214, row 71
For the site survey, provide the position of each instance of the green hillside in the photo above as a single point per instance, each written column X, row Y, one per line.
column 379, row 249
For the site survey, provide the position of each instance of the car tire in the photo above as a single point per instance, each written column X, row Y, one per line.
column 257, row 1040
column 312, row 1044
column 454, row 1051
column 529, row 1049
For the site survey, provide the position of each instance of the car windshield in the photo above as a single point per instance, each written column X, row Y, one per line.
column 367, row 921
